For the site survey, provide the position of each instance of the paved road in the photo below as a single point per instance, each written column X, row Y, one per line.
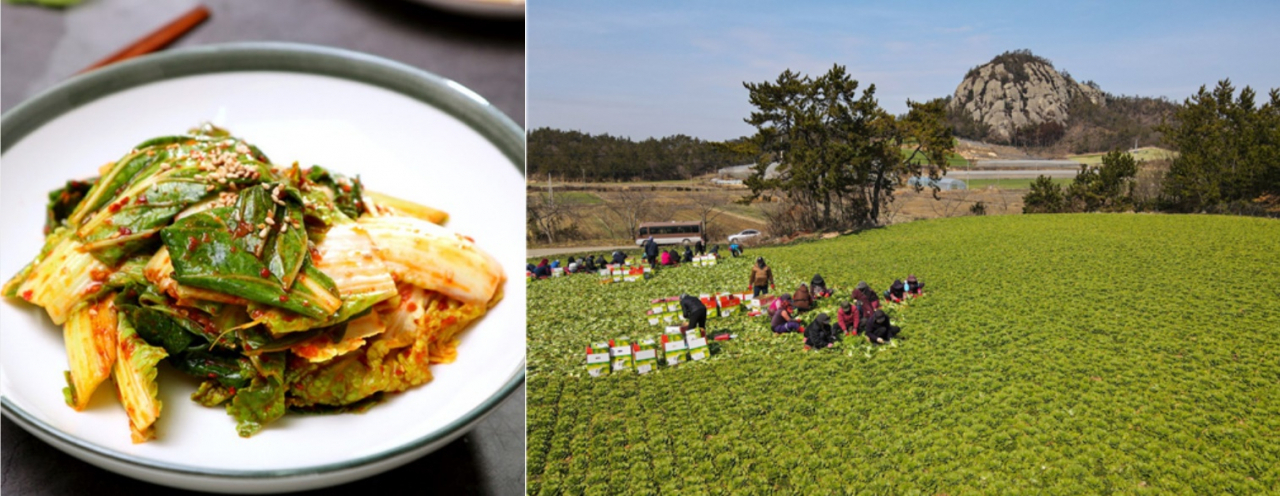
column 1025, row 164
column 1010, row 174
column 545, row 252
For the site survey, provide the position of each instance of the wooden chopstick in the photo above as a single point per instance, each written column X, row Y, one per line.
column 158, row 39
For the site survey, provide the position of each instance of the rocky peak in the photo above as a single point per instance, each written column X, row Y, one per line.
column 1016, row 89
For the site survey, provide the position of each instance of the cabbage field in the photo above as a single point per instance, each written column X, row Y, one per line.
column 1051, row 354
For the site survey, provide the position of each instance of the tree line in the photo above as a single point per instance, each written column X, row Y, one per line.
column 1228, row 161
column 578, row 156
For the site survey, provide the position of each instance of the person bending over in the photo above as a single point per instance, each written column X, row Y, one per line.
column 688, row 255
column 914, row 286
column 785, row 321
column 619, row 257
column 867, row 300
column 818, row 286
column 847, row 319
column 879, row 330
column 694, row 311
column 896, row 292
column 819, row 335
column 802, row 301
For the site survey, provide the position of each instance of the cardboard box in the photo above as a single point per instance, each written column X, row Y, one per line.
column 697, row 344
column 598, row 359
column 728, row 312
column 620, row 353
column 674, row 348
column 557, row 272
column 646, row 355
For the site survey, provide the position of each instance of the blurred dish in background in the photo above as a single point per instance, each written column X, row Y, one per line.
column 497, row 9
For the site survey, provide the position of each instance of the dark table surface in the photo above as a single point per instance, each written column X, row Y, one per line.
column 40, row 47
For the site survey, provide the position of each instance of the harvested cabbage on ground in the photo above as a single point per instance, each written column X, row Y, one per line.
column 282, row 288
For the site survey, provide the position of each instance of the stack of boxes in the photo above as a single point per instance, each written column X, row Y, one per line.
column 620, row 354
column 646, row 355
column 674, row 348
column 598, row 359
column 697, row 344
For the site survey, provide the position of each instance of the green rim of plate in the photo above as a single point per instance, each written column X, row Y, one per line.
column 446, row 95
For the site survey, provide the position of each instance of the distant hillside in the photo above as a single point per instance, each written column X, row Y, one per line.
column 1021, row 99
column 573, row 155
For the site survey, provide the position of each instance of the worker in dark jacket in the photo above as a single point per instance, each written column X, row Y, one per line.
column 896, row 292
column 867, row 300
column 694, row 311
column 651, row 252
column 700, row 248
column 879, row 330
column 802, row 300
column 619, row 257
column 590, row 264
column 819, row 335
column 688, row 255
column 818, row 286
column 543, row 269
column 914, row 286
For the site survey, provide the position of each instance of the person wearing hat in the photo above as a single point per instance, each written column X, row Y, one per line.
column 818, row 286
column 896, row 292
column 543, row 270
column 761, row 278
column 847, row 319
column 914, row 286
column 784, row 321
column 867, row 300
column 819, row 334
column 694, row 311
column 879, row 330
column 651, row 253
column 776, row 304
column 619, row 257
column 802, row 300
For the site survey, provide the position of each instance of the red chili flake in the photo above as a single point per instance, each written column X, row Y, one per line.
column 125, row 231
column 399, row 371
column 306, row 303
column 413, row 307
column 26, row 295
column 115, row 207
column 233, row 390
column 141, row 199
column 284, row 298
column 442, row 306
column 192, row 243
column 468, row 238
column 213, row 375
column 265, row 273
column 93, row 288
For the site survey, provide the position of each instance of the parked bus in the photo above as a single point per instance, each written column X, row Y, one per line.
column 672, row 233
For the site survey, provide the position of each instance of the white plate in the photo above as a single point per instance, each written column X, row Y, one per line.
column 405, row 132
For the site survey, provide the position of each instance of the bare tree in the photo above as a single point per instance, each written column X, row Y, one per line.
column 707, row 205
column 632, row 206
column 546, row 216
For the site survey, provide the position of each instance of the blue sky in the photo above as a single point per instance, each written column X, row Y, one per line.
column 658, row 68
